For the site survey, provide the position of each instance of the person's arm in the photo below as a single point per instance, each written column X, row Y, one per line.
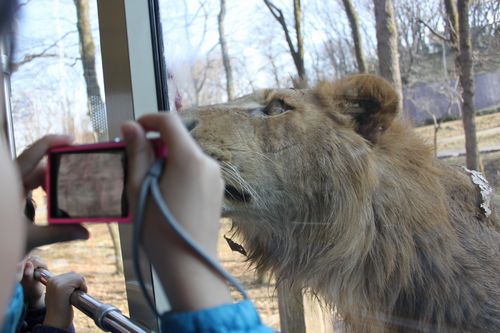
column 59, row 315
column 228, row 318
column 34, row 291
column 192, row 187
column 33, row 323
column 34, row 295
column 32, row 169
column 26, row 173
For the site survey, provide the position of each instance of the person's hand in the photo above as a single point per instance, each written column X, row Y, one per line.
column 192, row 188
column 57, row 299
column 32, row 170
column 33, row 289
column 30, row 164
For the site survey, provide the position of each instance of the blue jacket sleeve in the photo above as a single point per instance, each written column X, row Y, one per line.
column 33, row 323
column 48, row 329
column 240, row 317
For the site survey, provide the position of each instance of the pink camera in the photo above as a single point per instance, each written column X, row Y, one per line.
column 87, row 183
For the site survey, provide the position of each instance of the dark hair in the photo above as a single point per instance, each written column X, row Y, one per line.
column 30, row 209
column 8, row 10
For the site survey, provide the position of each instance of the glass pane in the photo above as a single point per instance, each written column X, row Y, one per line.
column 57, row 87
column 261, row 57
column 194, row 62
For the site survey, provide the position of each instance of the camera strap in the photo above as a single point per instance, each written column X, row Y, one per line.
column 151, row 185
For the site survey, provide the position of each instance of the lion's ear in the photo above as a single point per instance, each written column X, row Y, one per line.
column 370, row 100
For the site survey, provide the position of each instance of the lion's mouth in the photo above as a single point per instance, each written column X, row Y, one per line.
column 233, row 194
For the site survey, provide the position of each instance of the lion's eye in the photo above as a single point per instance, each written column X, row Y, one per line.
column 277, row 106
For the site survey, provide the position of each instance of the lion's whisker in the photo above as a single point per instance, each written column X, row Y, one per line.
column 232, row 173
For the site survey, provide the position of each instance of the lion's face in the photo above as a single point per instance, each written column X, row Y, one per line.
column 287, row 154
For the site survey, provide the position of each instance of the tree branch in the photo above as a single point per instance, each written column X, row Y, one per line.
column 434, row 32
column 30, row 57
column 42, row 54
column 278, row 15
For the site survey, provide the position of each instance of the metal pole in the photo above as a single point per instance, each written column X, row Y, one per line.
column 106, row 317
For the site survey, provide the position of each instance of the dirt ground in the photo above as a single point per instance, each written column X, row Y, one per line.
column 95, row 258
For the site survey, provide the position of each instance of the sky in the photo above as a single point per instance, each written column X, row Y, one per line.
column 49, row 86
column 253, row 34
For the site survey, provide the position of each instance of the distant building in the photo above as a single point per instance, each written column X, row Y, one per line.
column 421, row 101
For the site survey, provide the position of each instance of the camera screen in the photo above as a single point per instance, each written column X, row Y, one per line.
column 89, row 184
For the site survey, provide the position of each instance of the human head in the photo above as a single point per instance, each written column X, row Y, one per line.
column 12, row 235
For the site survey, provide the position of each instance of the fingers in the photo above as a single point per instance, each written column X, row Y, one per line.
column 29, row 159
column 82, row 284
column 173, row 133
column 37, row 262
column 140, row 155
column 44, row 235
column 67, row 283
column 31, row 264
column 29, row 269
column 35, row 178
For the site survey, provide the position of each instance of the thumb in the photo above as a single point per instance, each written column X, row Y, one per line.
column 139, row 154
column 44, row 235
column 28, row 270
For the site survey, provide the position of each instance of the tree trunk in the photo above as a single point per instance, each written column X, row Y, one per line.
column 115, row 239
column 387, row 45
column 452, row 23
column 297, row 53
column 96, row 105
column 225, row 56
column 356, row 37
column 467, row 83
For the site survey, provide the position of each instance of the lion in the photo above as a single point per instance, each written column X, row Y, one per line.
column 333, row 192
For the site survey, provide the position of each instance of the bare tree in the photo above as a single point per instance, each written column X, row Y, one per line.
column 414, row 43
column 452, row 23
column 356, row 37
column 87, row 52
column 335, row 57
column 457, row 19
column 485, row 34
column 340, row 59
column 45, row 53
column 387, row 44
column 200, row 72
column 225, row 54
column 464, row 60
column 274, row 69
column 297, row 52
column 96, row 107
column 485, row 23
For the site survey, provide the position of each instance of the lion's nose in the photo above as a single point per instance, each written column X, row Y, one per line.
column 190, row 124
